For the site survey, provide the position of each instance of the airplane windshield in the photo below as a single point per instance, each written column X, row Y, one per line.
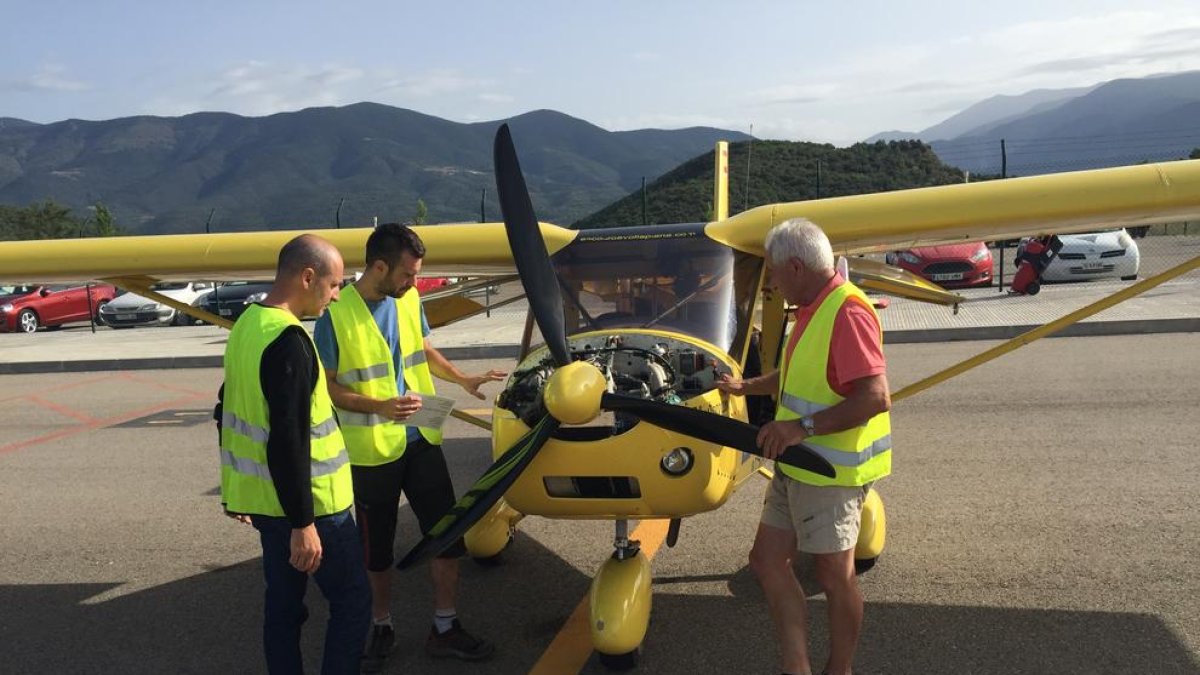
column 669, row 277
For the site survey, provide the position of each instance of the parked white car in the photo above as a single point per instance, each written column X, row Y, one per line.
column 130, row 309
column 1094, row 255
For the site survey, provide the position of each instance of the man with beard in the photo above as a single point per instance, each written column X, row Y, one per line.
column 374, row 345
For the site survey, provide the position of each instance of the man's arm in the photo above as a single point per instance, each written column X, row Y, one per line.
column 395, row 409
column 868, row 398
column 287, row 374
column 766, row 384
column 442, row 369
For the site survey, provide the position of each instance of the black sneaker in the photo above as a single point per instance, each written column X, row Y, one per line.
column 383, row 640
column 458, row 643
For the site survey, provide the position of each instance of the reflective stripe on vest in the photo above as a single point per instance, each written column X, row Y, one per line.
column 245, row 465
column 246, row 485
column 860, row 454
column 365, row 365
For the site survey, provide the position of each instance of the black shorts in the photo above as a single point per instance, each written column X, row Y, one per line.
column 422, row 476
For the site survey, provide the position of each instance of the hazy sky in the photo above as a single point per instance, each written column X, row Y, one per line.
column 827, row 71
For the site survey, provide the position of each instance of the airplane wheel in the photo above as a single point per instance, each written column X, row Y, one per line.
column 619, row 662
column 27, row 321
column 494, row 560
column 861, row 566
column 1033, row 289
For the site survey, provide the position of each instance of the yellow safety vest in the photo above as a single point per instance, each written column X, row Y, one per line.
column 860, row 454
column 365, row 366
column 246, row 485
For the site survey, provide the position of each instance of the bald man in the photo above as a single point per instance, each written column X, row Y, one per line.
column 284, row 466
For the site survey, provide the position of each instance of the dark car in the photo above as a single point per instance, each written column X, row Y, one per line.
column 24, row 309
column 228, row 301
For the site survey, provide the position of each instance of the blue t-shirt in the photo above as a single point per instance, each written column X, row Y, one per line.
column 384, row 312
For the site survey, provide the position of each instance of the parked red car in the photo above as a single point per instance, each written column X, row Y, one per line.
column 426, row 284
column 948, row 265
column 25, row 308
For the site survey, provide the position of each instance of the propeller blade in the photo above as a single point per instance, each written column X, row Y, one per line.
column 528, row 247
column 713, row 428
column 482, row 496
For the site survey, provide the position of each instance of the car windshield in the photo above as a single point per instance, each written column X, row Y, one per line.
column 669, row 277
column 16, row 290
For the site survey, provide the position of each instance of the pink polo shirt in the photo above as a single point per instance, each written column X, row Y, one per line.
column 856, row 349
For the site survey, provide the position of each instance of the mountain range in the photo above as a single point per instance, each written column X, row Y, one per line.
column 1124, row 121
column 321, row 166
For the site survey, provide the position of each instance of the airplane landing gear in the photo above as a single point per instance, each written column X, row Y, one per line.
column 872, row 533
column 620, row 600
column 488, row 538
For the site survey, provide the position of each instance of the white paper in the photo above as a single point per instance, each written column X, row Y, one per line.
column 433, row 413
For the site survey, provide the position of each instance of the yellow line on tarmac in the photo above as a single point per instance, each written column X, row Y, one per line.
column 569, row 651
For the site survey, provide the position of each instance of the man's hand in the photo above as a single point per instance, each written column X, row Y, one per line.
column 471, row 383
column 400, row 408
column 775, row 437
column 306, row 549
column 731, row 386
column 240, row 517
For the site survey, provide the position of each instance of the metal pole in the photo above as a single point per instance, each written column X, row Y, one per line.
column 644, row 222
column 338, row 216
column 209, row 221
column 91, row 308
column 749, row 154
column 1003, row 160
column 482, row 210
column 818, row 179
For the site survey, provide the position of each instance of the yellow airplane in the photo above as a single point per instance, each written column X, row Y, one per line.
column 616, row 416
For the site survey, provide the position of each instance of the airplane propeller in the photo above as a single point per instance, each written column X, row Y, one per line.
column 577, row 391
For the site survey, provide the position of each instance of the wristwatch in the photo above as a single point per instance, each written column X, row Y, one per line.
column 810, row 426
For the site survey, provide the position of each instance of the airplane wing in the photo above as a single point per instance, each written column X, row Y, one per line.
column 466, row 249
column 998, row 209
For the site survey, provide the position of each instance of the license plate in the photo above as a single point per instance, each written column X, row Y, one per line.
column 125, row 317
column 225, row 312
column 1093, row 265
column 949, row 276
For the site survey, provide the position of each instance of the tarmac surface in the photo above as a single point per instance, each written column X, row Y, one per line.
column 1041, row 520
column 1041, row 514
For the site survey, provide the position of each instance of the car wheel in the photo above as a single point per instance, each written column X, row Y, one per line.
column 182, row 319
column 100, row 306
column 1129, row 277
column 27, row 321
column 1033, row 288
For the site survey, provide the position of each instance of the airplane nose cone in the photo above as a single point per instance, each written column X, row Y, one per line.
column 573, row 393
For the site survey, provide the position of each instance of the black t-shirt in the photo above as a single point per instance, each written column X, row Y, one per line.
column 288, row 375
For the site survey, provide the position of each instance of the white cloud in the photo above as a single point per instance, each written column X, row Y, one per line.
column 49, row 78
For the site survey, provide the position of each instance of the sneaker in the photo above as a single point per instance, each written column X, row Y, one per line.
column 458, row 643
column 383, row 640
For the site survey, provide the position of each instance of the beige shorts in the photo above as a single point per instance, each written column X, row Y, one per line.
column 824, row 518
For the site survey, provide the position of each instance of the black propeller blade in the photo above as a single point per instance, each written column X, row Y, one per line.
column 483, row 494
column 713, row 428
column 528, row 248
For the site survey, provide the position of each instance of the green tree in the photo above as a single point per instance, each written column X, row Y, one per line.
column 46, row 220
column 422, row 213
column 1195, row 154
column 106, row 226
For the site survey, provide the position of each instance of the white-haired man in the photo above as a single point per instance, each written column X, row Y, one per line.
column 833, row 395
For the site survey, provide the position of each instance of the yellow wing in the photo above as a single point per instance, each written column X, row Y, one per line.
column 1002, row 209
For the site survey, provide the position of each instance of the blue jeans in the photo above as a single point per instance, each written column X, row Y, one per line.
column 342, row 578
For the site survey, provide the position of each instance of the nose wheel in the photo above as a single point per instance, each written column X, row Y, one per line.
column 620, row 600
